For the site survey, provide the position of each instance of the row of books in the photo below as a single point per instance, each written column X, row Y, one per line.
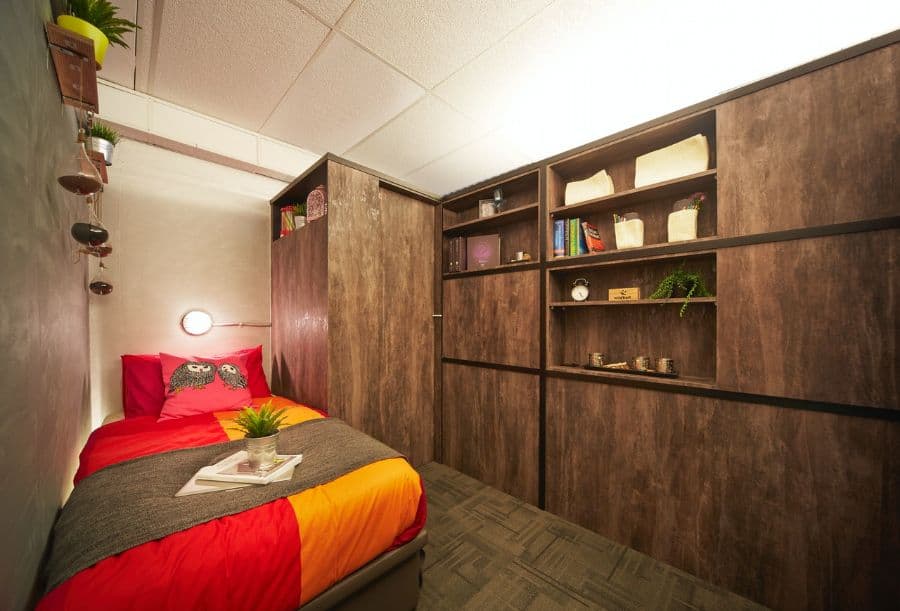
column 474, row 252
column 575, row 237
column 457, row 254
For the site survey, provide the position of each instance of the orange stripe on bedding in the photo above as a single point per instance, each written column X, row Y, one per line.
column 349, row 521
column 295, row 414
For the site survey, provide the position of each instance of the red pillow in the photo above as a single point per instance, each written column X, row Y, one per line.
column 195, row 386
column 143, row 390
column 256, row 377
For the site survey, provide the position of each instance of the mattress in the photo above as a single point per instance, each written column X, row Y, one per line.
column 275, row 556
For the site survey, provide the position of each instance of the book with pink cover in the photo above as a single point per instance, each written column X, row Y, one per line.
column 483, row 251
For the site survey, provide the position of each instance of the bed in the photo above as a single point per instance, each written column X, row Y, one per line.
column 344, row 543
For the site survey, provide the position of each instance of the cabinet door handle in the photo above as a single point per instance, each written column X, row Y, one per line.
column 437, row 315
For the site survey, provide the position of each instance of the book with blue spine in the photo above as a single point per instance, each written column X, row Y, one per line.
column 559, row 238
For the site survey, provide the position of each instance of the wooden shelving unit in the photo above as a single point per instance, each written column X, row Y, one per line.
column 516, row 224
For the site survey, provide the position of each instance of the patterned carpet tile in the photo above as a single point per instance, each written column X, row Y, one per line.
column 488, row 550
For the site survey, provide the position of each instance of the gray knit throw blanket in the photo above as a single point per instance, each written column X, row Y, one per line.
column 133, row 502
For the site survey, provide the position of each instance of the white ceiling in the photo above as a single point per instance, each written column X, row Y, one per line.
column 444, row 93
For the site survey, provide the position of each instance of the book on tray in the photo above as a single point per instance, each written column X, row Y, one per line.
column 234, row 471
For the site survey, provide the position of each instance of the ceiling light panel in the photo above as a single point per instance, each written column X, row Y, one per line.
column 343, row 95
column 429, row 129
column 431, row 39
column 232, row 59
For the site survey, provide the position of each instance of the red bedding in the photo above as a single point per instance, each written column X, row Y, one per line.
column 276, row 556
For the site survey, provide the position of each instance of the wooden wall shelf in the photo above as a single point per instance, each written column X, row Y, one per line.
column 641, row 253
column 681, row 381
column 694, row 182
column 500, row 269
column 522, row 213
column 632, row 302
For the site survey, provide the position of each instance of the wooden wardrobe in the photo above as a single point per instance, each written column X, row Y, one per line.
column 352, row 305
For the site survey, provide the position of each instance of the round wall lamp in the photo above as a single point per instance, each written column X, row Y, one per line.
column 199, row 322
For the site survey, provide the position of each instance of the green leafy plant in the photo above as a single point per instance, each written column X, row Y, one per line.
column 691, row 283
column 260, row 423
column 102, row 15
column 300, row 209
column 101, row 130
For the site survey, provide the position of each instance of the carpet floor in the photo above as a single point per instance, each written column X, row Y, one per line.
column 488, row 550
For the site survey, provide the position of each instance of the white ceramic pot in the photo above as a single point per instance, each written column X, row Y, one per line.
column 683, row 225
column 299, row 221
column 629, row 234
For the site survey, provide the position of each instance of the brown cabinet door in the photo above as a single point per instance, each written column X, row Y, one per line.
column 490, row 427
column 812, row 319
column 493, row 318
column 815, row 150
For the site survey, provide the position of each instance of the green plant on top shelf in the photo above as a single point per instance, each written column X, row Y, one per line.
column 300, row 209
column 101, row 130
column 262, row 423
column 690, row 283
column 102, row 15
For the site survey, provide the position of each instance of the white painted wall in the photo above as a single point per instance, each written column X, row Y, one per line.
column 186, row 234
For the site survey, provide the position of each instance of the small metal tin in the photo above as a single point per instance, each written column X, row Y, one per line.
column 596, row 359
column 665, row 365
column 642, row 363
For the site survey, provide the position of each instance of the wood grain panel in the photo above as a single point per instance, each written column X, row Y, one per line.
column 493, row 318
column 788, row 507
column 818, row 149
column 300, row 315
column 355, row 295
column 812, row 319
column 405, row 418
column 490, row 427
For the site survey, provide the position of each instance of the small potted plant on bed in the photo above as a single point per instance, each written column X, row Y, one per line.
column 96, row 19
column 261, row 430
column 104, row 140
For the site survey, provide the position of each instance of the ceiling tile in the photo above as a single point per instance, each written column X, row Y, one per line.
column 431, row 39
column 118, row 66
column 231, row 59
column 486, row 157
column 343, row 95
column 427, row 130
column 328, row 11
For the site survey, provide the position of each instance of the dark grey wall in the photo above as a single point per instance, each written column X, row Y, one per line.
column 44, row 413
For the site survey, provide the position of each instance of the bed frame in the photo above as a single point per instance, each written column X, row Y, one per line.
column 391, row 581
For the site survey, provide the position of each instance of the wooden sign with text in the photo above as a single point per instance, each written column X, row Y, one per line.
column 625, row 294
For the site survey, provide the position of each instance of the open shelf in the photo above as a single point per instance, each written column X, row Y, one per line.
column 694, row 182
column 641, row 253
column 682, row 381
column 506, row 217
column 499, row 269
column 633, row 302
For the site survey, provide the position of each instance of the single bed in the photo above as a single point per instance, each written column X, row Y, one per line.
column 347, row 543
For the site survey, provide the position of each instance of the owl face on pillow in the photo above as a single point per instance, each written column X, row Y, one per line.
column 192, row 374
column 232, row 376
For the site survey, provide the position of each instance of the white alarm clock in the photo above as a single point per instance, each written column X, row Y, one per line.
column 580, row 289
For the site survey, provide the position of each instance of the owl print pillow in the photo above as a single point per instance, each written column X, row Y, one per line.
column 199, row 385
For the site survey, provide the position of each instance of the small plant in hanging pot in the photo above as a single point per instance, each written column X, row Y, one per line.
column 96, row 19
column 104, row 140
column 260, row 428
column 689, row 284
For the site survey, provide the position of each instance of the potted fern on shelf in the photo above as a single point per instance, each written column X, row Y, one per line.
column 104, row 140
column 260, row 428
column 97, row 20
column 687, row 284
